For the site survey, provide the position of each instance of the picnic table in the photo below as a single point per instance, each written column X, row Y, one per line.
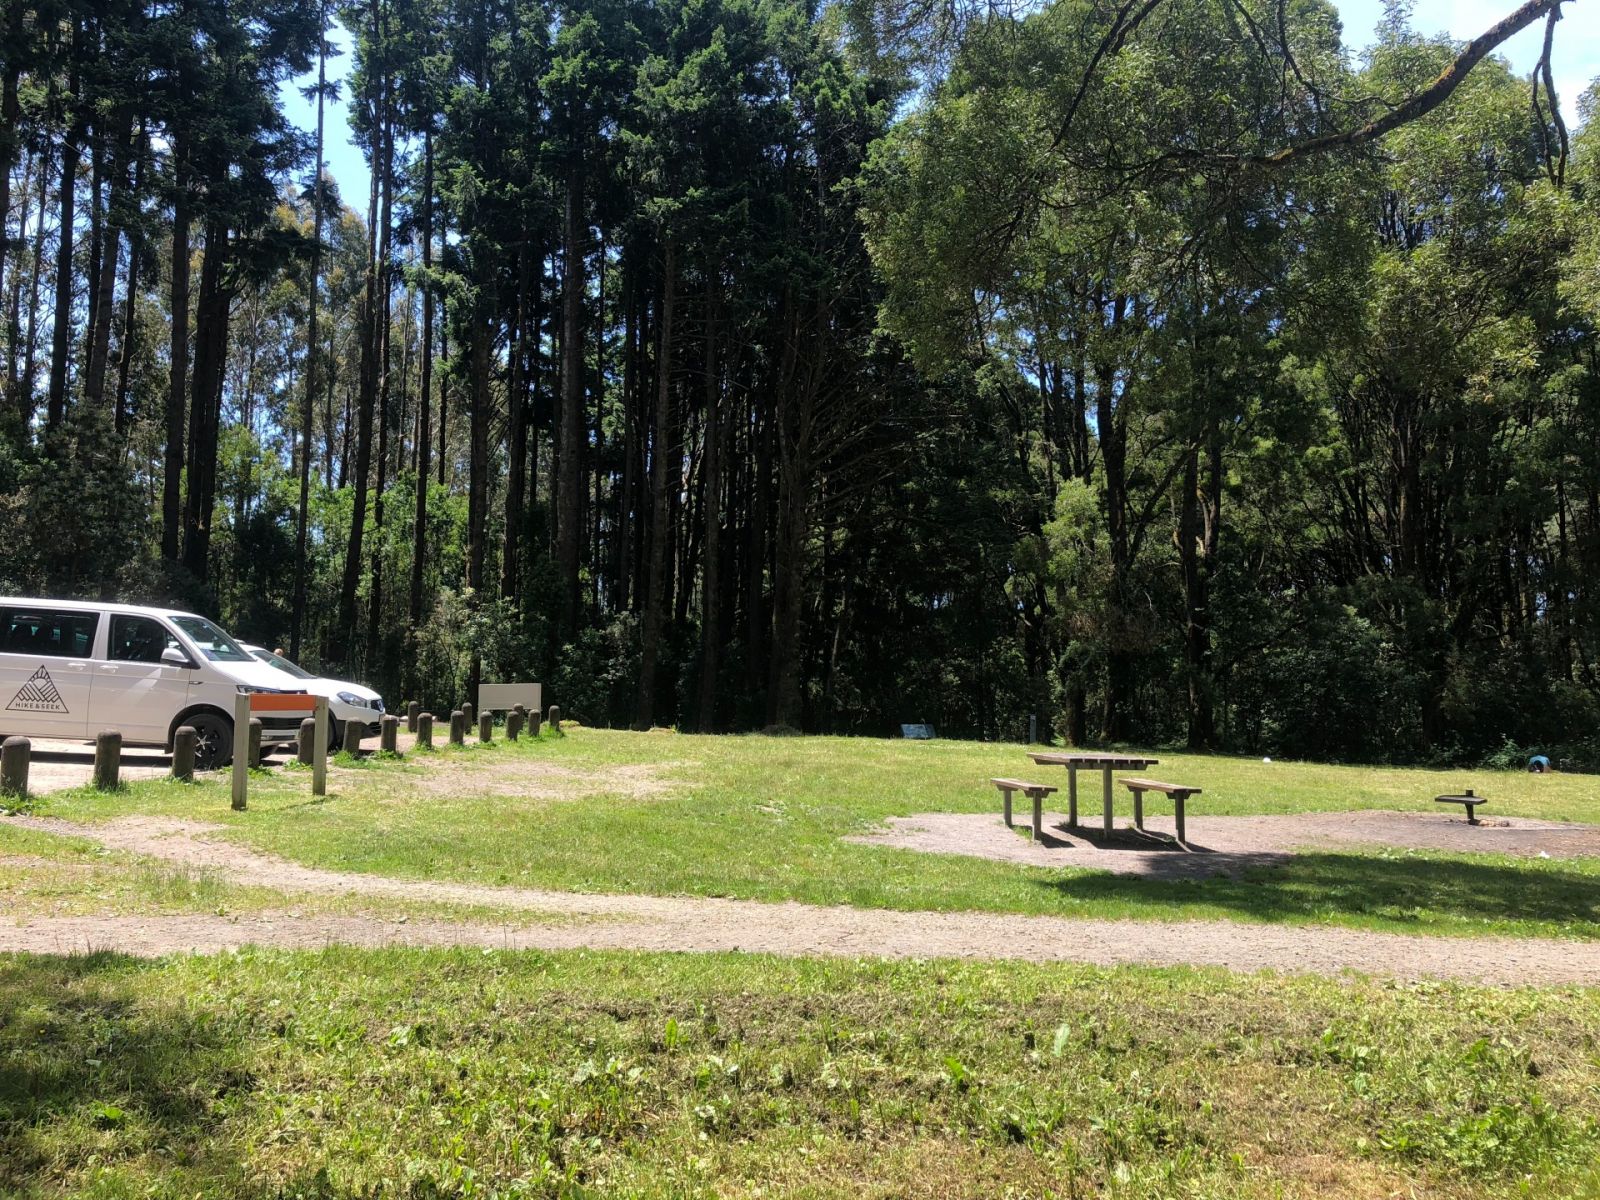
column 1106, row 763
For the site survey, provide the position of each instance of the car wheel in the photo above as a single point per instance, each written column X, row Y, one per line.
column 214, row 743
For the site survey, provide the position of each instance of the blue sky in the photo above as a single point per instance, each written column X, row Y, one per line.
column 1576, row 61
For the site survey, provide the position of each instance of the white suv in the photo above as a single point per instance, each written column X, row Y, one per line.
column 69, row 669
column 346, row 701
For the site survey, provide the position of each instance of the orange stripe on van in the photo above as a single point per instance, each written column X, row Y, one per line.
column 272, row 702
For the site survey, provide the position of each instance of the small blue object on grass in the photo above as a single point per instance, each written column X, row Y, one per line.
column 918, row 732
column 1539, row 764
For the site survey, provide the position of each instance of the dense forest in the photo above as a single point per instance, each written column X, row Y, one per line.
column 1158, row 369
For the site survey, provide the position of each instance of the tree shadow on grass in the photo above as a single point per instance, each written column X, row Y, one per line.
column 86, row 1069
column 1405, row 890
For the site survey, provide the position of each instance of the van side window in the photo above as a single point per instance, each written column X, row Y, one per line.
column 45, row 634
column 138, row 639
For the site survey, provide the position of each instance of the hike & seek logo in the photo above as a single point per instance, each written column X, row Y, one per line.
column 39, row 694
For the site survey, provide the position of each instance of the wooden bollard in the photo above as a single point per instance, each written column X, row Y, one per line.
column 185, row 741
column 306, row 743
column 388, row 732
column 107, row 760
column 513, row 723
column 15, row 753
column 555, row 718
column 533, row 724
column 458, row 728
column 255, row 742
column 425, row 731
column 353, row 729
column 469, row 714
column 413, row 713
column 486, row 728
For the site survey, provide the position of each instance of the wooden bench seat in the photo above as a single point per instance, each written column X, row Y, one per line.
column 1467, row 801
column 1034, row 791
column 1178, row 791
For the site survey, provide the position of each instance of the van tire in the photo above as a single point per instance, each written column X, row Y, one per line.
column 215, row 745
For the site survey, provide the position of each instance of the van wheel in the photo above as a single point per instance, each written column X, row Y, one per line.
column 214, row 747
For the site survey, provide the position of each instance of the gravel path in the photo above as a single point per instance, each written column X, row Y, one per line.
column 703, row 924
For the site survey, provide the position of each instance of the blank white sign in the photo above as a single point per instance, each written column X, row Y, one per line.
column 502, row 697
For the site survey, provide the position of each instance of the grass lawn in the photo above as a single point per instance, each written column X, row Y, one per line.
column 444, row 1073
column 762, row 818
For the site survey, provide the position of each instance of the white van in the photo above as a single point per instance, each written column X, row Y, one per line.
column 69, row 669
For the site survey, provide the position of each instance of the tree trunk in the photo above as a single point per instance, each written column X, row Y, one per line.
column 61, row 339
column 660, row 515
column 419, row 527
column 211, row 341
column 19, row 407
column 711, row 575
column 172, row 468
column 313, row 354
column 516, row 437
column 1111, row 423
column 344, row 634
column 569, row 440
column 1198, row 525
column 386, row 322
column 110, row 252
column 130, row 312
column 10, row 119
column 480, row 366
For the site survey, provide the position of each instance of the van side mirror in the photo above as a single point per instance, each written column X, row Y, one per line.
column 174, row 657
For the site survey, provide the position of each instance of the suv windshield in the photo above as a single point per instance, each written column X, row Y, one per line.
column 213, row 643
column 283, row 664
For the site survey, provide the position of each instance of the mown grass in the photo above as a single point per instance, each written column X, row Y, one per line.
column 763, row 818
column 452, row 1073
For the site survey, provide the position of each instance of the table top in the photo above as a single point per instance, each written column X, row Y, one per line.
column 1091, row 759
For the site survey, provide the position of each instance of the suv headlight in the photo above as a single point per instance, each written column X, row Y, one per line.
column 352, row 698
column 246, row 690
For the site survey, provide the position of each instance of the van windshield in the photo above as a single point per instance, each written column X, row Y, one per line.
column 213, row 643
column 283, row 664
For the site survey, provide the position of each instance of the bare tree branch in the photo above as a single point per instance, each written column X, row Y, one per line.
column 1425, row 101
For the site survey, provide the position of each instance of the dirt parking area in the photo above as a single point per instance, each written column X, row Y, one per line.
column 59, row 764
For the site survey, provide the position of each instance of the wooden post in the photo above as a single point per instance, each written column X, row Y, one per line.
column 184, row 742
column 241, row 751
column 15, row 753
column 388, row 732
column 458, row 728
column 1138, row 808
column 1072, row 797
column 533, row 725
column 1107, row 797
column 306, row 743
column 513, row 723
column 353, row 729
column 319, row 755
column 555, row 718
column 486, row 728
column 107, row 760
column 469, row 714
column 413, row 712
column 1006, row 805
column 255, row 742
column 425, row 731
column 1038, row 813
